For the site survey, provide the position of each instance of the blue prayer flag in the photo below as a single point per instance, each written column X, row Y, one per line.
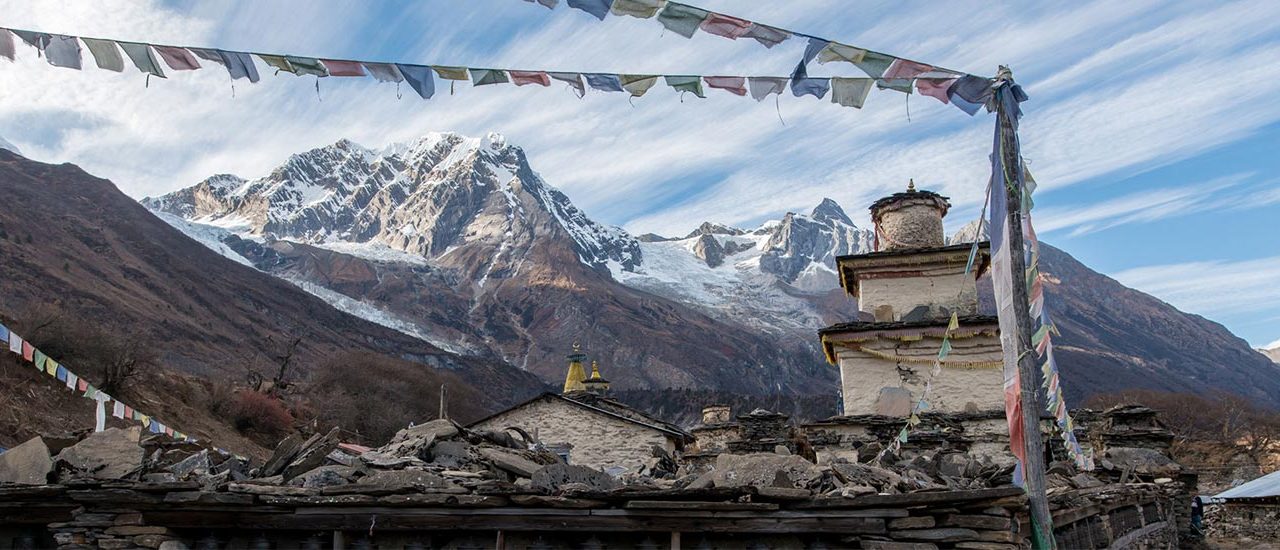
column 598, row 8
column 419, row 78
column 604, row 82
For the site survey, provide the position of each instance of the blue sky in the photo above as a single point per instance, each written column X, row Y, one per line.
column 1152, row 129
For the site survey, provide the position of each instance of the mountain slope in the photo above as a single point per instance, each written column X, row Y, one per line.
column 73, row 240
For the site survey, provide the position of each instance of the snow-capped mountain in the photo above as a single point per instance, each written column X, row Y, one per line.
column 424, row 197
column 1272, row 351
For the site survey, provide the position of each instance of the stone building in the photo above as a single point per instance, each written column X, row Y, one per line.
column 586, row 427
column 907, row 291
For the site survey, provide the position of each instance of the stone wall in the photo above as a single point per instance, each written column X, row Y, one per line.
column 872, row 385
column 1238, row 520
column 598, row 440
column 916, row 225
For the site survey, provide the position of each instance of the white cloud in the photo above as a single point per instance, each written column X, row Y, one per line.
column 1211, row 287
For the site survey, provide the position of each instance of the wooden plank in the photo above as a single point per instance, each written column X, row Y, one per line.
column 698, row 506
column 909, row 499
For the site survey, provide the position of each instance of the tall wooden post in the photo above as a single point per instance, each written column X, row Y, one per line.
column 1028, row 373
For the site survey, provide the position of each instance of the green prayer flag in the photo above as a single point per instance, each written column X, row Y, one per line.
column 945, row 349
column 643, row 9
column 850, row 92
column 902, row 436
column 39, row 360
column 681, row 19
column 450, row 73
column 1040, row 335
column 691, row 84
column 875, row 64
column 637, row 84
column 277, row 61
column 307, row 66
column 105, row 54
column 481, row 77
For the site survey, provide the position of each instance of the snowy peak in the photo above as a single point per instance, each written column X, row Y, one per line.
column 709, row 228
column 829, row 211
column 1272, row 351
column 426, row 196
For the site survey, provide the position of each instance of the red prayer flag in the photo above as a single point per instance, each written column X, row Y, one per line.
column 28, row 352
column 724, row 25
column 168, row 431
column 933, row 87
column 343, row 68
column 903, row 68
column 81, row 384
column 736, row 85
column 128, row 412
column 178, row 59
column 520, row 78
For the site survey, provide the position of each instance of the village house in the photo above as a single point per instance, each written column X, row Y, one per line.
column 585, row 427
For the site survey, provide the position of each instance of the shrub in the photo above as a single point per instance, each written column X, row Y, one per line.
column 253, row 411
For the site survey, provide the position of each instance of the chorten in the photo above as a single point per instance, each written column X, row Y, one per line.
column 595, row 383
column 907, row 291
column 573, row 379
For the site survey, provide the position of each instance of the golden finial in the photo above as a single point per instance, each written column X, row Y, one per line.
column 911, row 185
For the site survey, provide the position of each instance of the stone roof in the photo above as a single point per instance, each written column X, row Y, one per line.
column 910, row 195
column 857, row 326
column 606, row 406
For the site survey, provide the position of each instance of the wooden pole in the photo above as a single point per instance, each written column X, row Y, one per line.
column 444, row 398
column 1034, row 467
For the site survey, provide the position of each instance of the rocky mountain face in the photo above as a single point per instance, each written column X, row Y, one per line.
column 459, row 242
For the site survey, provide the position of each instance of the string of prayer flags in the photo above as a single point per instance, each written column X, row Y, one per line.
column 965, row 91
column 74, row 382
column 642, row 9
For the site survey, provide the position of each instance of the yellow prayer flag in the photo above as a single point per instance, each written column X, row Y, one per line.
column 955, row 322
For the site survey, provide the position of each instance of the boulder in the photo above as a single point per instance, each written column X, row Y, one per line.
column 28, row 463
column 510, row 462
column 415, row 441
column 451, row 454
column 554, row 477
column 312, row 454
column 764, row 470
column 324, row 476
column 108, row 454
column 866, row 475
column 197, row 464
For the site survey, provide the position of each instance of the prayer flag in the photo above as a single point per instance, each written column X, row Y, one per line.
column 816, row 87
column 39, row 360
column 874, row 63
column 969, row 93
column 767, row 35
column 604, row 82
column 156, row 427
column 384, row 72
column 726, row 26
column 898, row 76
column 850, row 92
column 419, row 78
column 105, row 54
column 451, row 73
column 574, row 80
column 6, row 44
column 100, row 411
column 178, row 59
column 71, row 380
column 307, row 66
column 521, row 78
column 207, row 55
column 15, row 342
column 840, row 52
column 681, row 19
column 4, row 333
column 50, row 367
column 484, row 77
column 129, row 413
column 37, row 40
column 954, row 323
column 168, row 431
column 239, row 65
column 117, row 410
column 691, row 84
column 143, row 58
column 643, row 9
column 549, row 4
column 28, row 351
column 811, row 50
column 63, row 51
column 277, row 61
column 736, row 85
column 637, row 84
column 935, row 88
column 338, row 67
column 81, row 384
column 61, row 373
column 945, row 349
column 598, row 8
column 762, row 87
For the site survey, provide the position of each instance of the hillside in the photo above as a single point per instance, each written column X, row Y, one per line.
column 75, row 248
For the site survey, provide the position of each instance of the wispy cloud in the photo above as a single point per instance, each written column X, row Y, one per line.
column 1213, row 288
